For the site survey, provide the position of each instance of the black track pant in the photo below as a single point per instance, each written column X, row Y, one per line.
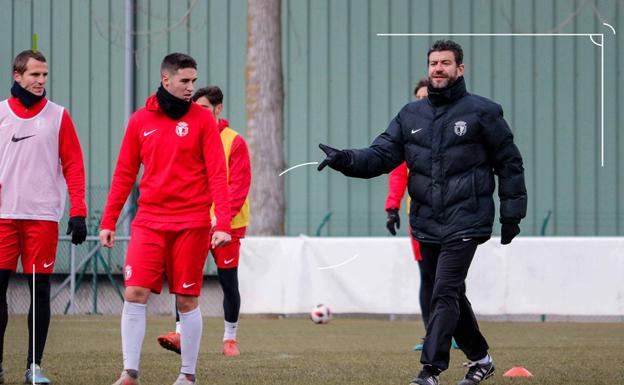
column 4, row 316
column 42, row 316
column 42, row 312
column 228, row 278
column 427, row 269
column 451, row 312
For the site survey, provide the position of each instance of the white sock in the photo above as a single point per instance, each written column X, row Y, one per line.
column 485, row 360
column 178, row 327
column 191, row 325
column 229, row 330
column 132, row 333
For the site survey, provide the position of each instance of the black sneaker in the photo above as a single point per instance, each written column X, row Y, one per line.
column 477, row 372
column 426, row 377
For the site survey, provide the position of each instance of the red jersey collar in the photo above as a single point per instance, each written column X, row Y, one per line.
column 20, row 110
column 223, row 124
column 151, row 104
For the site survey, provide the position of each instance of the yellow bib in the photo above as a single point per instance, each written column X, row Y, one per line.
column 242, row 218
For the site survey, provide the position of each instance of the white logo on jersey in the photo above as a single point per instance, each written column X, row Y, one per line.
column 128, row 272
column 228, row 261
column 182, row 128
column 146, row 133
column 460, row 128
column 187, row 285
column 46, row 265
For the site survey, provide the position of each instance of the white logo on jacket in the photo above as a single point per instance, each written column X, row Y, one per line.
column 182, row 129
column 460, row 128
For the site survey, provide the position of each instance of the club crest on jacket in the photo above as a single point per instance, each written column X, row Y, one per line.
column 182, row 129
column 460, row 128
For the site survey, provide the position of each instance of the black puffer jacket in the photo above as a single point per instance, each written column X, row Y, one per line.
column 454, row 143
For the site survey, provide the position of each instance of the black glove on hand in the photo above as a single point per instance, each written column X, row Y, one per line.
column 508, row 232
column 393, row 219
column 336, row 159
column 77, row 227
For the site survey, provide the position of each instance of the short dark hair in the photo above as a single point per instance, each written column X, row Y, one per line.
column 20, row 61
column 212, row 93
column 175, row 61
column 448, row 45
column 423, row 82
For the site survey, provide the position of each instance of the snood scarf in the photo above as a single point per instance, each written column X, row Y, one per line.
column 173, row 107
column 27, row 98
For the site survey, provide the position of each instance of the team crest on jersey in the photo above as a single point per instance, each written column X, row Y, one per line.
column 182, row 129
column 460, row 128
column 128, row 272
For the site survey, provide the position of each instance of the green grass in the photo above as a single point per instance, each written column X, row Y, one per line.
column 87, row 350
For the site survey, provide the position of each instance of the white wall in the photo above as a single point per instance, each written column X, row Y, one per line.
column 533, row 275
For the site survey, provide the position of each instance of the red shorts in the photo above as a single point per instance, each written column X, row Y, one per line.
column 34, row 240
column 180, row 254
column 226, row 257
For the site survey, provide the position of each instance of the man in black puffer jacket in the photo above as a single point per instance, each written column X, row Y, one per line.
column 454, row 143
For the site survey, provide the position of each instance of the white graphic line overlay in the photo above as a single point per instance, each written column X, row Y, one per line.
column 591, row 37
column 610, row 26
column 338, row 264
column 33, row 325
column 293, row 167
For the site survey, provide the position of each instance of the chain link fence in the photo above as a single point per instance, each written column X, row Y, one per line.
column 99, row 279
column 98, row 275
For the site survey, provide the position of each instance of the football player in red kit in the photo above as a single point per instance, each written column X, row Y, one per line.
column 178, row 144
column 226, row 258
column 41, row 160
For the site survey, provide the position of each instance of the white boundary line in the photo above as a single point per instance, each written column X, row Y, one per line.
column 590, row 35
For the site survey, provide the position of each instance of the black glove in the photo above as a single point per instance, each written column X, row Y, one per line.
column 77, row 227
column 508, row 232
column 336, row 159
column 393, row 219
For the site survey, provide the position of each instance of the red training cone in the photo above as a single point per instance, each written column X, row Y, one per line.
column 517, row 372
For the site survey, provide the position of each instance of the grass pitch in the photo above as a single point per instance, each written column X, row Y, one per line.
column 87, row 350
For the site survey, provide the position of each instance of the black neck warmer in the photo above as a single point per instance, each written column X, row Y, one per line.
column 173, row 107
column 448, row 94
column 26, row 97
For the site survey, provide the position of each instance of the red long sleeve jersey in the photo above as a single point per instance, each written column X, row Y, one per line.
column 33, row 160
column 397, row 183
column 184, row 170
